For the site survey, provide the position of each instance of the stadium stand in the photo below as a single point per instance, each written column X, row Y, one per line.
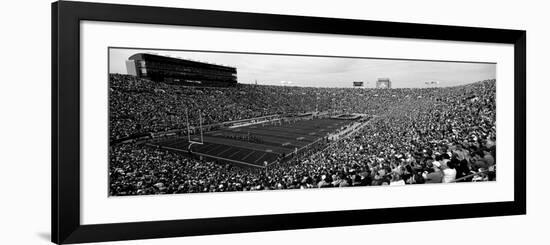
column 180, row 71
column 416, row 136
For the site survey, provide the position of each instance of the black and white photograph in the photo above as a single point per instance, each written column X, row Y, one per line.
column 197, row 121
column 274, row 122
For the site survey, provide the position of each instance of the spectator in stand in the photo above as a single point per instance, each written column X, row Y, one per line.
column 433, row 175
column 396, row 179
column 429, row 135
column 449, row 170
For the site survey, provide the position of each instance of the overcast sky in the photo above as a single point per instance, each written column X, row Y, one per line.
column 326, row 71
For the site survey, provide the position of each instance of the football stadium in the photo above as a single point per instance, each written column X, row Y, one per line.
column 182, row 126
column 258, row 144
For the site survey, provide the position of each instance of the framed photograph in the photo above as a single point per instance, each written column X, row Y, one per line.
column 174, row 122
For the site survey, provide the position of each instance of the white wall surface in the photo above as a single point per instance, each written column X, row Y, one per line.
column 25, row 121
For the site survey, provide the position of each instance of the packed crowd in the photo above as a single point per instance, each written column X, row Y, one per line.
column 139, row 106
column 429, row 135
column 440, row 140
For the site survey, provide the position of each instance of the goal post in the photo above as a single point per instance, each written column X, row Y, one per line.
column 200, row 128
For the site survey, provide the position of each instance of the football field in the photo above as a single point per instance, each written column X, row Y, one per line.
column 255, row 145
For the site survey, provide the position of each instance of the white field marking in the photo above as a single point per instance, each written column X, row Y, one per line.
column 222, row 158
column 229, row 160
column 262, row 156
column 228, row 148
column 237, row 151
column 211, row 148
column 252, row 152
column 175, row 149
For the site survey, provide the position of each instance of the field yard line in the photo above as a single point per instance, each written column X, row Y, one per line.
column 252, row 152
column 269, row 134
column 213, row 148
column 237, row 151
column 229, row 148
column 229, row 160
column 243, row 144
column 207, row 155
column 261, row 157
column 174, row 149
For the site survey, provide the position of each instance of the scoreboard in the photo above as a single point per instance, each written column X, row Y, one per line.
column 383, row 83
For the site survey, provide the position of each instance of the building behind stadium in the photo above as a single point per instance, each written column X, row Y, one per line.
column 180, row 71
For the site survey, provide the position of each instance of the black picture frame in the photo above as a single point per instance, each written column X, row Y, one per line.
column 65, row 162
